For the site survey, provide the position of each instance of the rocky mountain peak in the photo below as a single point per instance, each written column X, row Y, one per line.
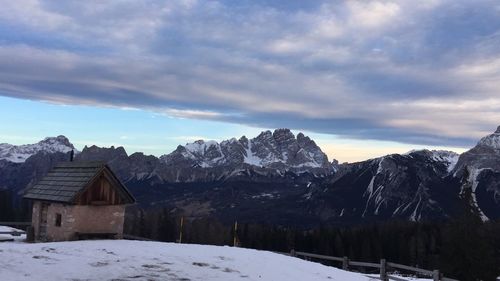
column 283, row 135
column 305, row 140
column 491, row 141
column 265, row 135
column 59, row 140
column 19, row 153
column 95, row 153
column 486, row 154
column 243, row 140
column 278, row 150
column 449, row 158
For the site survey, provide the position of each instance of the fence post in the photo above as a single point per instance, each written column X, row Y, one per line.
column 180, row 232
column 345, row 263
column 435, row 275
column 292, row 253
column 383, row 270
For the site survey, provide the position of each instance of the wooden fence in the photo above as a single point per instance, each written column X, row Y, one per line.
column 384, row 267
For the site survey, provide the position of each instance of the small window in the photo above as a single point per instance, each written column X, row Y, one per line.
column 58, row 219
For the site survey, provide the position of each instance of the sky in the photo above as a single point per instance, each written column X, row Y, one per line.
column 361, row 78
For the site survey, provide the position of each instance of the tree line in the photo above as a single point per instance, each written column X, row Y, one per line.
column 465, row 248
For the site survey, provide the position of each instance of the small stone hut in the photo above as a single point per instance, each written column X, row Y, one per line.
column 78, row 200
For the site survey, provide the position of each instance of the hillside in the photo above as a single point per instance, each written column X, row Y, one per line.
column 137, row 260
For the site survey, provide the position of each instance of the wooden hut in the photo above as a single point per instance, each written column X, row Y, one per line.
column 78, row 200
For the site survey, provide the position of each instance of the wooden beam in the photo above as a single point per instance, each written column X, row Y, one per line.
column 316, row 256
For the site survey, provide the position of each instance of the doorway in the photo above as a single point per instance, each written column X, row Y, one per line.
column 42, row 234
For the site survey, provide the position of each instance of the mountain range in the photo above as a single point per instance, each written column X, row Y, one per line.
column 284, row 179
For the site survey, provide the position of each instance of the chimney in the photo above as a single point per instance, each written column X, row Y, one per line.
column 71, row 155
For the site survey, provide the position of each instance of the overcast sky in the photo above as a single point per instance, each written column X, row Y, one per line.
column 363, row 78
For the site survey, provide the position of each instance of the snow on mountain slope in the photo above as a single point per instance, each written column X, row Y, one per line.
column 278, row 149
column 450, row 158
column 19, row 153
column 485, row 155
column 137, row 260
column 201, row 149
column 491, row 141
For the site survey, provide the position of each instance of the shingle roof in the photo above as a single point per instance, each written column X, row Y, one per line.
column 67, row 179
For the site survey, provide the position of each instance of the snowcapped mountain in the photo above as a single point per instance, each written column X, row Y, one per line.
column 396, row 186
column 479, row 173
column 419, row 185
column 266, row 157
column 485, row 155
column 281, row 178
column 492, row 141
column 278, row 150
column 449, row 158
column 19, row 153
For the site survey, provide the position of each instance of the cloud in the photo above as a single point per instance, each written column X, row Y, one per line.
column 195, row 114
column 188, row 139
column 423, row 72
column 372, row 14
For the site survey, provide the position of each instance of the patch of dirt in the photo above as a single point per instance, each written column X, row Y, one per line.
column 202, row 264
column 107, row 252
column 49, row 250
column 151, row 266
column 99, row 264
column 42, row 258
column 229, row 270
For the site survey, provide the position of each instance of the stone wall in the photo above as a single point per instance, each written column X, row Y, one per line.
column 35, row 218
column 79, row 218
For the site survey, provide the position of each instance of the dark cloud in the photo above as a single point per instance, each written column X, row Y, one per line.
column 418, row 72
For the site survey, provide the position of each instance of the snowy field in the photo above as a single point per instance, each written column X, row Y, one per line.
column 139, row 260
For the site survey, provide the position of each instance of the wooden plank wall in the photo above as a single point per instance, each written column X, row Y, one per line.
column 102, row 192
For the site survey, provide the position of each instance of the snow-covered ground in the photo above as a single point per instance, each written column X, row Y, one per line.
column 139, row 260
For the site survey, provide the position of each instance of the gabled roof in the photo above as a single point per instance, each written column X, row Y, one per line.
column 68, row 179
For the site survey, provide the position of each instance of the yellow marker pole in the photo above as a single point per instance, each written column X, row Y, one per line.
column 180, row 234
column 235, row 240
